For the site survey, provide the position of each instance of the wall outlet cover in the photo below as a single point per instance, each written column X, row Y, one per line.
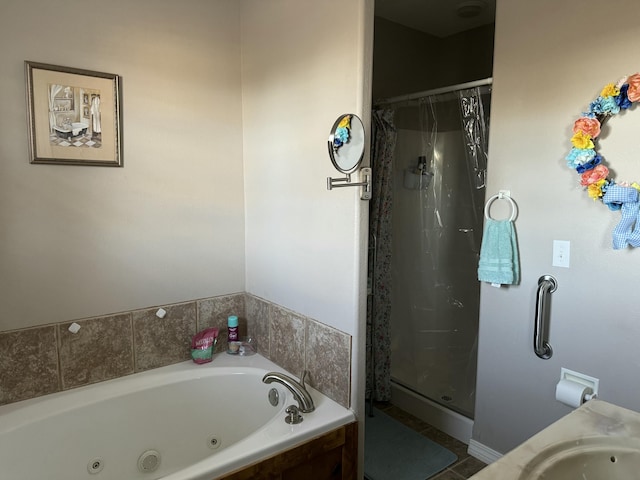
column 561, row 253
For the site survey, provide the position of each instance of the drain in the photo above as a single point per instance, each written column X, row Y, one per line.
column 274, row 397
column 213, row 442
column 95, row 466
column 446, row 398
column 149, row 461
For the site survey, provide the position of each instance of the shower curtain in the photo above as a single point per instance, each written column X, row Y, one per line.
column 423, row 309
column 475, row 124
column 53, row 92
column 378, row 341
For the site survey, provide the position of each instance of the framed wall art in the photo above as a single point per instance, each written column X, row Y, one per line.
column 74, row 116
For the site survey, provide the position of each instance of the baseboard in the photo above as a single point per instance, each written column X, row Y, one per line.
column 482, row 452
column 448, row 421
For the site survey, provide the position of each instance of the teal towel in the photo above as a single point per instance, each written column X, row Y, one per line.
column 499, row 261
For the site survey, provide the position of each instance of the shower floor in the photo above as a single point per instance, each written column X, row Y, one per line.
column 446, row 377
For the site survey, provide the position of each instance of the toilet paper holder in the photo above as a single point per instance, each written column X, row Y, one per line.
column 591, row 382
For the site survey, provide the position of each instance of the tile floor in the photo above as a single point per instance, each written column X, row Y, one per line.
column 83, row 141
column 463, row 468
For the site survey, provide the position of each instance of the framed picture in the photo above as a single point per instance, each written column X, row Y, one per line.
column 74, row 116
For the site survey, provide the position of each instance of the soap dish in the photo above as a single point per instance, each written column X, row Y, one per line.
column 247, row 346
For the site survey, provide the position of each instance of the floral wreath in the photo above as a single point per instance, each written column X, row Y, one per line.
column 342, row 133
column 594, row 175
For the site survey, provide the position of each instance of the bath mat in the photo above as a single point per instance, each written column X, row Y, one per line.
column 393, row 451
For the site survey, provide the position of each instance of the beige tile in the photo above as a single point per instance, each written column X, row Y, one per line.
column 328, row 359
column 163, row 341
column 100, row 350
column 410, row 421
column 286, row 339
column 28, row 364
column 214, row 311
column 258, row 322
column 447, row 475
column 468, row 467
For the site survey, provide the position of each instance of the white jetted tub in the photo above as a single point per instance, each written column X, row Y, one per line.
column 183, row 421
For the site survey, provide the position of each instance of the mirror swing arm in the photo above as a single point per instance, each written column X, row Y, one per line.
column 346, row 150
column 365, row 173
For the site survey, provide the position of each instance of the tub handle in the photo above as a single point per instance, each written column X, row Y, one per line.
column 299, row 391
column 546, row 286
column 293, row 415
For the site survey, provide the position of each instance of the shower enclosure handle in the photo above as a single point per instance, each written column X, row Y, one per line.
column 546, row 285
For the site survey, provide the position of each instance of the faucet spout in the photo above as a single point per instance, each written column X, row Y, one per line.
column 298, row 389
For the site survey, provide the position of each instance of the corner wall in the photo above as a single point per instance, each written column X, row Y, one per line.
column 172, row 224
column 298, row 77
column 169, row 226
column 304, row 63
column 551, row 60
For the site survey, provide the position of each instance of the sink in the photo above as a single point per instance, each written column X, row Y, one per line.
column 590, row 458
column 597, row 441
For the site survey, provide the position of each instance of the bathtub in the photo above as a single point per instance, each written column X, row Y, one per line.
column 183, row 421
column 71, row 130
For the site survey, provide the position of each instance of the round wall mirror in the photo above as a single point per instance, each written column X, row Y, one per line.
column 346, row 143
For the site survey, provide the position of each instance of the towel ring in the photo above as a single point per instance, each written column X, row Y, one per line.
column 501, row 196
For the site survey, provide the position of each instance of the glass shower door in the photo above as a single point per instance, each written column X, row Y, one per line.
column 437, row 227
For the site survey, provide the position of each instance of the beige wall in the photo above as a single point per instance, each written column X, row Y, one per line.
column 303, row 65
column 169, row 226
column 408, row 60
column 551, row 60
column 298, row 77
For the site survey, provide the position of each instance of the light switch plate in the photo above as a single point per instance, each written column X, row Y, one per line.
column 561, row 253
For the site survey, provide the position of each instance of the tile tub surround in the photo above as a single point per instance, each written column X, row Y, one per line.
column 28, row 364
column 213, row 312
column 297, row 343
column 82, row 361
column 159, row 342
column 46, row 359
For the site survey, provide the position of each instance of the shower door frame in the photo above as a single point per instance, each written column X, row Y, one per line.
column 441, row 417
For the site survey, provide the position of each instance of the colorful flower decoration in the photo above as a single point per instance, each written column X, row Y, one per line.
column 583, row 157
column 342, row 133
column 594, row 175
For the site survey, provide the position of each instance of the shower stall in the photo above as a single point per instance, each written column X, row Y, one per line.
column 429, row 158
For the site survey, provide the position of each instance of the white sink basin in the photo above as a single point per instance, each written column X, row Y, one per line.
column 591, row 458
column 597, row 441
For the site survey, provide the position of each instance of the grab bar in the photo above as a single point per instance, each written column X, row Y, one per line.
column 546, row 285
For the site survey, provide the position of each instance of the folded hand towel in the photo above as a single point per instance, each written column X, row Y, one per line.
column 499, row 262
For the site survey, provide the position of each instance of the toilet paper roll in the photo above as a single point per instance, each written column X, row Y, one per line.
column 571, row 393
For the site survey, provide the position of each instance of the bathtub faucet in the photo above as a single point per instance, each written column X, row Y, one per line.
column 298, row 389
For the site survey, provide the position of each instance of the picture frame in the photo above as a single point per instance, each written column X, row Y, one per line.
column 74, row 116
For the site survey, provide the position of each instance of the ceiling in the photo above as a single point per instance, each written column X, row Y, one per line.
column 437, row 17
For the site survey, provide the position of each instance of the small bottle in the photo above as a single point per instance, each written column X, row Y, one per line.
column 422, row 165
column 232, row 327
